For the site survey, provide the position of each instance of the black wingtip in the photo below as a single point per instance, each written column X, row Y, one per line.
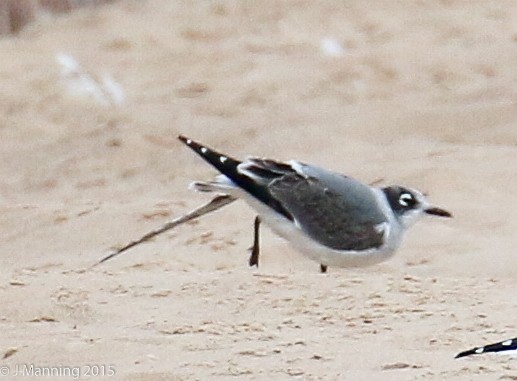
column 464, row 354
column 228, row 166
column 500, row 347
column 191, row 143
column 220, row 161
column 185, row 140
column 473, row 351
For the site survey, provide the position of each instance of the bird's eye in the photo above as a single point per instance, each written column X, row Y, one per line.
column 406, row 199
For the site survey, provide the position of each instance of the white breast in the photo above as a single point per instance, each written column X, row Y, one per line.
column 322, row 254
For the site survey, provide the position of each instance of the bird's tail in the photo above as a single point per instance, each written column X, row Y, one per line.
column 221, row 184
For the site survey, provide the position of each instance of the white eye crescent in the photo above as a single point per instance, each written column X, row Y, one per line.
column 405, row 199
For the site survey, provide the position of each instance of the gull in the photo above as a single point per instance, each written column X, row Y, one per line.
column 331, row 218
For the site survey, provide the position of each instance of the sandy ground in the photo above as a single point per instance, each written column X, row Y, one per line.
column 421, row 94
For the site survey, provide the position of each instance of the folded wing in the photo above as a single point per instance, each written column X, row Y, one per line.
column 332, row 209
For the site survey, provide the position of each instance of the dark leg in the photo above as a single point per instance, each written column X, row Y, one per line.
column 255, row 249
column 323, row 269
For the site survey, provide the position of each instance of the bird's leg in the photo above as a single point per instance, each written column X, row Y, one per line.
column 323, row 269
column 255, row 249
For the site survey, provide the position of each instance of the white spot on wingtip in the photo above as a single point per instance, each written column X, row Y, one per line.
column 204, row 150
column 507, row 343
column 189, row 142
column 479, row 350
column 222, row 159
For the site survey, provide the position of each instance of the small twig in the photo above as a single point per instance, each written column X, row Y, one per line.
column 377, row 182
column 216, row 203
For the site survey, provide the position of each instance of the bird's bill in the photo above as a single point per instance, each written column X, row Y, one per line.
column 434, row 211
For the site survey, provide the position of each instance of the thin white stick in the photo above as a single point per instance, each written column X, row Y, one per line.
column 216, row 203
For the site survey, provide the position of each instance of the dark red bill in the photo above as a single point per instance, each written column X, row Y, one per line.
column 438, row 212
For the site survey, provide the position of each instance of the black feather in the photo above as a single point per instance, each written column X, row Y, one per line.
column 496, row 347
column 228, row 167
